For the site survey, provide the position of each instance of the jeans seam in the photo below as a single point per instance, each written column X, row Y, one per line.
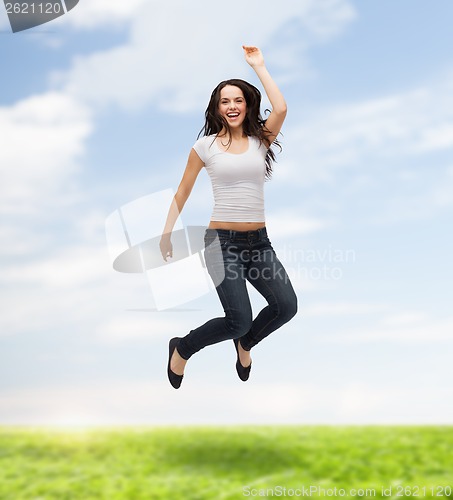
column 221, row 291
column 268, row 305
column 275, row 301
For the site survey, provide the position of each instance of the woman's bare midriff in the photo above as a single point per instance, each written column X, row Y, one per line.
column 236, row 226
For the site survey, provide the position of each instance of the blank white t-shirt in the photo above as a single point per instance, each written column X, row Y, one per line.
column 237, row 180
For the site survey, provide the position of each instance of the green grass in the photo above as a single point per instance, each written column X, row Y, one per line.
column 223, row 462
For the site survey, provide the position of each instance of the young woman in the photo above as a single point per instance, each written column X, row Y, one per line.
column 235, row 150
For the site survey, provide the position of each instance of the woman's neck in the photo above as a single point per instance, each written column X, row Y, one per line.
column 236, row 135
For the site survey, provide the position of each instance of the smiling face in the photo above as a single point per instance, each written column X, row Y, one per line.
column 232, row 105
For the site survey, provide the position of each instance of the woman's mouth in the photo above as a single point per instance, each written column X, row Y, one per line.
column 232, row 116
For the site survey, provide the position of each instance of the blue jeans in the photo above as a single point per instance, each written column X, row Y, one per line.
column 232, row 258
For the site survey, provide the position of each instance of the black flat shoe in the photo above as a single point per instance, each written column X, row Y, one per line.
column 243, row 371
column 175, row 380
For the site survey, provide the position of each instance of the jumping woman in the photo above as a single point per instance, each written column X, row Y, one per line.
column 236, row 151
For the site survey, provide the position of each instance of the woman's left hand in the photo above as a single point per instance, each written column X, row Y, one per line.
column 253, row 56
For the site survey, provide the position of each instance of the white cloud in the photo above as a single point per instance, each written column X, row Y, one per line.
column 72, row 287
column 68, row 287
column 69, row 267
column 342, row 308
column 287, row 223
column 98, row 13
column 135, row 403
column 42, row 138
column 87, row 15
column 322, row 20
column 360, row 403
column 409, row 318
column 406, row 329
column 372, row 133
column 20, row 240
column 433, row 196
column 124, row 327
column 174, row 57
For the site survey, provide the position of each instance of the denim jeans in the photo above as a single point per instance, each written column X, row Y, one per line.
column 232, row 258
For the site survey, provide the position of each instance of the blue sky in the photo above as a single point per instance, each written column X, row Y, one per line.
column 101, row 107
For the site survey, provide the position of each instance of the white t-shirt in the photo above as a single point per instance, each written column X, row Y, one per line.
column 237, row 180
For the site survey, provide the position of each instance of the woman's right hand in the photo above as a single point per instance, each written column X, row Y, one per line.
column 166, row 248
column 253, row 55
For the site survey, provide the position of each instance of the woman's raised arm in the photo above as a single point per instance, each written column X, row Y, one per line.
column 274, row 123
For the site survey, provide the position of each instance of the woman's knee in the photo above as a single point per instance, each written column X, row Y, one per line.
column 287, row 308
column 238, row 324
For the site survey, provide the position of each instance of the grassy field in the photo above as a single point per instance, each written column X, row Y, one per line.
column 226, row 463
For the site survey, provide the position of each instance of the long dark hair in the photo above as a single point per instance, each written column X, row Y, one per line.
column 253, row 124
